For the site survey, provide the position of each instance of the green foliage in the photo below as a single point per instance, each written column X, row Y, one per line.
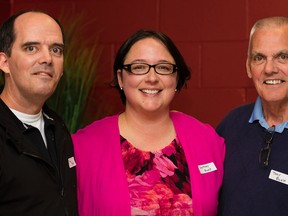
column 80, row 75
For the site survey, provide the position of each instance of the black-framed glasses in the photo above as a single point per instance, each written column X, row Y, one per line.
column 143, row 68
column 266, row 149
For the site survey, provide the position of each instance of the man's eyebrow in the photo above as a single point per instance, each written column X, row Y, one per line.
column 59, row 45
column 257, row 53
column 253, row 54
column 31, row 43
column 281, row 52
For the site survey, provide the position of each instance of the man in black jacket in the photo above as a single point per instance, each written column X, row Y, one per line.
column 37, row 167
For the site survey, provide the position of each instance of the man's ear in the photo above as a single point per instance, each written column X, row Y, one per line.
column 248, row 69
column 4, row 66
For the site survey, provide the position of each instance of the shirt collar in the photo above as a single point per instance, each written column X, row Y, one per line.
column 257, row 115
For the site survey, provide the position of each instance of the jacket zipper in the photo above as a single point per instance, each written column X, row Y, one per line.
column 57, row 170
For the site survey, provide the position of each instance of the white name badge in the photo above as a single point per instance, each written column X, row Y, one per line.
column 71, row 162
column 207, row 168
column 279, row 177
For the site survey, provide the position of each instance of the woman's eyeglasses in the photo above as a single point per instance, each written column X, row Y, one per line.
column 143, row 68
column 266, row 150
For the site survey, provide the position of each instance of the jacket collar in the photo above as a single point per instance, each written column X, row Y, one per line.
column 14, row 130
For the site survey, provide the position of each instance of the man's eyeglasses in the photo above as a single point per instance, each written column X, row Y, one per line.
column 266, row 150
column 143, row 68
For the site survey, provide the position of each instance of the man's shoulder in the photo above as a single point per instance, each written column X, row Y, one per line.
column 236, row 118
column 243, row 111
column 7, row 118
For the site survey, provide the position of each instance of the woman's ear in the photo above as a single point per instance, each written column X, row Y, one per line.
column 119, row 78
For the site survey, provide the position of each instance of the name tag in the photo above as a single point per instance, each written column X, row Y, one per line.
column 207, row 168
column 279, row 177
column 71, row 162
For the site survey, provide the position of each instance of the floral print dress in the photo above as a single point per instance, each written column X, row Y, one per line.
column 159, row 182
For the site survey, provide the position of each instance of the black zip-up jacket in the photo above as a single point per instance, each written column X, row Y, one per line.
column 30, row 183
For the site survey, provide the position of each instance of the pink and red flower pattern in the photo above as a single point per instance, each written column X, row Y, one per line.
column 159, row 182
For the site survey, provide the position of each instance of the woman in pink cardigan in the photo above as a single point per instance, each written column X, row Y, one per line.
column 148, row 160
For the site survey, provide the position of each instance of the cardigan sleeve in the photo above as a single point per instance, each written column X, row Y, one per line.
column 102, row 183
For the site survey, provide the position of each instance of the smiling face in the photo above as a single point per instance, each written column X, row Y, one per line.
column 151, row 91
column 35, row 66
column 267, row 63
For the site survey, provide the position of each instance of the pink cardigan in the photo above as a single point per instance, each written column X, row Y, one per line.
column 102, row 183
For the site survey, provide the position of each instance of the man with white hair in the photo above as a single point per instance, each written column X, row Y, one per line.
column 256, row 135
